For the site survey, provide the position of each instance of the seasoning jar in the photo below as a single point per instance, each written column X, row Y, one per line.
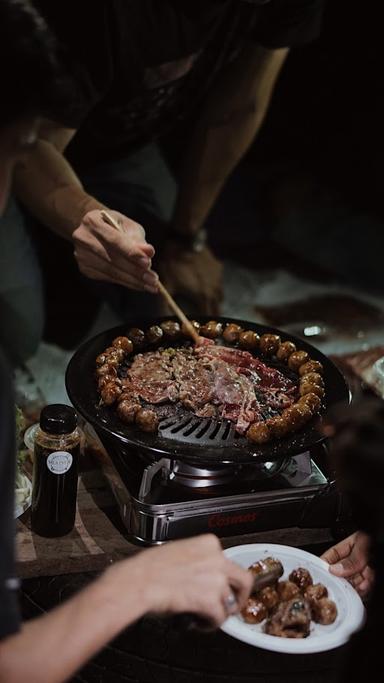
column 55, row 471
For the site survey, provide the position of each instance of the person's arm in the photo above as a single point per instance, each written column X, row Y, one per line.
column 231, row 117
column 349, row 559
column 49, row 187
column 184, row 576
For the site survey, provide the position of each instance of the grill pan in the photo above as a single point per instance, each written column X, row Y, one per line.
column 185, row 437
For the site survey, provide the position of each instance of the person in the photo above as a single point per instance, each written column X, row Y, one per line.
column 350, row 559
column 138, row 72
column 358, row 440
column 358, row 453
column 190, row 576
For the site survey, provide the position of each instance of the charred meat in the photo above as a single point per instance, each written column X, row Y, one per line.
column 291, row 619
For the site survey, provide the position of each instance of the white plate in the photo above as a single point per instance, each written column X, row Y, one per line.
column 349, row 605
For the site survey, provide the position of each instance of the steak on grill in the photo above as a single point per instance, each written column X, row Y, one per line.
column 211, row 381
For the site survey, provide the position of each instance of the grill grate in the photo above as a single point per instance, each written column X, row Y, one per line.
column 198, row 430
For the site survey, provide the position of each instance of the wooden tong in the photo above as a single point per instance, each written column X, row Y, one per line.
column 163, row 291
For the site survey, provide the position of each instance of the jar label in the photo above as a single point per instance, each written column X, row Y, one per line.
column 59, row 462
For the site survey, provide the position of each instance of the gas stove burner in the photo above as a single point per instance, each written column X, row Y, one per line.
column 188, row 475
column 198, row 477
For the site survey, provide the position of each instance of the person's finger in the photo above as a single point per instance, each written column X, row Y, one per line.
column 109, row 249
column 145, row 250
column 241, row 581
column 348, row 566
column 339, row 551
column 151, row 282
column 356, row 579
column 123, row 243
column 368, row 581
column 230, row 603
column 98, row 269
column 331, row 556
column 364, row 588
column 100, row 259
column 96, row 252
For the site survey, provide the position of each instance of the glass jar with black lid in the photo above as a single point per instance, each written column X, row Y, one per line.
column 55, row 471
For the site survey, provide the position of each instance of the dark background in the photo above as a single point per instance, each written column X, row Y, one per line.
column 327, row 113
column 318, row 157
column 307, row 196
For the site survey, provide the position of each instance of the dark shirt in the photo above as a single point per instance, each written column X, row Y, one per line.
column 9, row 613
column 137, row 67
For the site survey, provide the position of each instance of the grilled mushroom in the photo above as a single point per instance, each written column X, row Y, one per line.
column 269, row 597
column 296, row 416
column 137, row 336
column 311, row 366
column 316, row 591
column 127, row 408
column 147, row 420
column 123, row 343
column 249, row 340
column 301, row 577
column 107, row 369
column 310, row 388
column 287, row 590
column 232, row 333
column 313, row 378
column 254, row 611
column 154, row 334
column 269, row 344
column 107, row 379
column 110, row 392
column 101, row 359
column 171, row 329
column 211, row 329
column 297, row 359
column 285, row 350
column 324, row 611
column 312, row 401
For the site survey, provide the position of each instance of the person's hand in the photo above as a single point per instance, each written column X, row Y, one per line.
column 197, row 276
column 349, row 559
column 121, row 257
column 192, row 576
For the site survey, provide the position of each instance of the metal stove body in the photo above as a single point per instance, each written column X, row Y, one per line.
column 170, row 499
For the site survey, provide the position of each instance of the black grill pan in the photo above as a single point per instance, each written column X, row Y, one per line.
column 186, row 437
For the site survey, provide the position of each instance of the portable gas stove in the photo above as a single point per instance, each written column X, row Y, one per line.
column 170, row 499
column 198, row 475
